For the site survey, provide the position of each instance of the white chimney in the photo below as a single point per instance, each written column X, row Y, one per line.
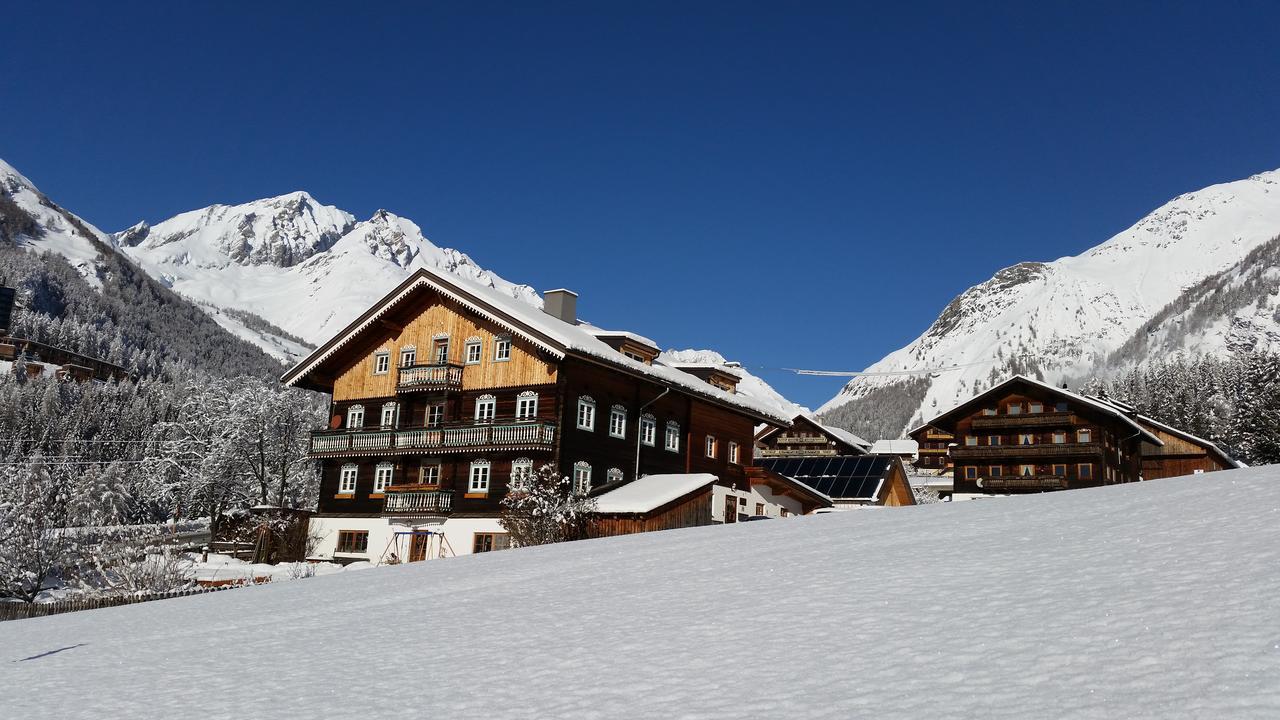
column 562, row 304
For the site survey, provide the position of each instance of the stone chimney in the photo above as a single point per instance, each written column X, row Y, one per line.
column 561, row 304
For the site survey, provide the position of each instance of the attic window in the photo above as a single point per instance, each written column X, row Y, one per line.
column 635, row 356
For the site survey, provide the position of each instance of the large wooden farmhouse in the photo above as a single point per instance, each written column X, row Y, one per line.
column 445, row 392
column 1024, row 436
column 806, row 437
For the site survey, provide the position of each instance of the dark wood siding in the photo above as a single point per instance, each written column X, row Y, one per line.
column 690, row 511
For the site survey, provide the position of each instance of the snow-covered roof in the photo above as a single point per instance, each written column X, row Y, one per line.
column 1099, row 405
column 844, row 435
column 651, row 492
column 601, row 332
column 1177, row 433
column 550, row 333
column 895, row 447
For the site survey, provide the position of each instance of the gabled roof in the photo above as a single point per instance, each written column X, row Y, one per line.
column 840, row 434
column 895, row 447
column 1083, row 400
column 1207, row 445
column 651, row 492
column 552, row 335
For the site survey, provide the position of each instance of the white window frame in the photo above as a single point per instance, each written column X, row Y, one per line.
column 527, row 405
column 348, row 477
column 502, row 348
column 392, row 409
column 382, row 362
column 473, row 351
column 478, row 477
column 1013, row 409
column 486, row 408
column 435, row 414
column 1060, row 434
column 408, row 355
column 613, row 475
column 648, row 429
column 422, row 473
column 582, row 477
column 521, row 471
column 618, row 422
column 586, row 413
column 1031, row 408
column 971, row 440
column 440, row 350
column 355, row 417
column 733, row 452
column 712, row 447
column 382, row 474
column 1084, row 435
column 671, row 439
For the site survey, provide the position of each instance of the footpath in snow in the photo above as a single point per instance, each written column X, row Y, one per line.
column 1151, row 600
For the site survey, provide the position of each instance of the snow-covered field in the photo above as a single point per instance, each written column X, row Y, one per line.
column 1152, row 600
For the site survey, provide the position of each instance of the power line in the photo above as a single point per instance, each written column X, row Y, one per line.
column 891, row 373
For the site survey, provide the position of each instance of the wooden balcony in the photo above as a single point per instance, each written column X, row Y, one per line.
column 474, row 437
column 1023, row 482
column 415, row 378
column 1026, row 420
column 1011, row 452
column 412, row 501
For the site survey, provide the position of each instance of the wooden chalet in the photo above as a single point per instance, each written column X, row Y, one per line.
column 933, row 447
column 1024, row 436
column 446, row 391
column 807, row 437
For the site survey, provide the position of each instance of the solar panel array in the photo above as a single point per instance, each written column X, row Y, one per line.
column 839, row 477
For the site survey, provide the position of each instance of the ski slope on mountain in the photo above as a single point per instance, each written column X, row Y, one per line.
column 1149, row 600
column 1063, row 318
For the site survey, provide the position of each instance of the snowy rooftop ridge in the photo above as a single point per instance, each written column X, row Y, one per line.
column 651, row 492
column 1081, row 589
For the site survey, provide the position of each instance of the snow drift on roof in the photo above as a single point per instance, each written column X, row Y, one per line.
column 650, row 492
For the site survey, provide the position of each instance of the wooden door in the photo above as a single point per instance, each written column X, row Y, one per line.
column 731, row 508
column 418, row 547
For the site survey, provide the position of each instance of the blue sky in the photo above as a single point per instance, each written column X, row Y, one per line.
column 795, row 185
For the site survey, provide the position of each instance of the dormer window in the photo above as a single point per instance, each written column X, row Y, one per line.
column 634, row 356
column 502, row 348
column 381, row 362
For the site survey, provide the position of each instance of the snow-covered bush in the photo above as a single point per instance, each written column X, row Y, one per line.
column 546, row 508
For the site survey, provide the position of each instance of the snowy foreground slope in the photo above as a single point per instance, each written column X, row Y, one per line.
column 1152, row 600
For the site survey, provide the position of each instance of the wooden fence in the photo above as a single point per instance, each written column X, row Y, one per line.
column 21, row 610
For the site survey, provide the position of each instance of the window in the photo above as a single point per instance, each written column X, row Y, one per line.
column 1059, row 438
column 381, row 362
column 1027, row 470
column 989, row 411
column 521, row 470
column 971, row 473
column 759, row 508
column 440, row 350
column 1026, row 439
column 993, row 439
column 1036, row 407
column 527, row 405
column 1060, row 470
column 355, row 416
column 733, row 452
column 581, row 478
column 711, row 446
column 673, row 436
column 408, row 355
column 479, row 477
column 435, row 414
column 347, row 479
column 382, row 476
column 635, row 356
column 1014, row 409
column 618, row 421
column 353, row 541
column 648, row 429
column 1084, row 471
column 429, row 473
column 995, row 471
column 488, row 542
column 1084, row 435
column 613, row 476
column 485, row 406
column 472, row 351
column 389, row 415
column 1060, row 407
column 586, row 413
column 502, row 348
column 970, row 440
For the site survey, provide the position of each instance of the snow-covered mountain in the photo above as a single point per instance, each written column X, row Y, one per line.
column 305, row 267
column 748, row 384
column 29, row 219
column 1075, row 316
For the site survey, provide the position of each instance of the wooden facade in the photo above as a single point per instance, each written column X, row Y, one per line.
column 434, row 382
column 1024, row 436
column 805, row 438
column 933, row 453
column 1181, row 453
column 692, row 510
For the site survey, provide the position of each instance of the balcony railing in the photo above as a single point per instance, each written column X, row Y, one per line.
column 1023, row 482
column 473, row 436
column 417, row 502
column 1004, row 452
column 430, row 377
column 1051, row 419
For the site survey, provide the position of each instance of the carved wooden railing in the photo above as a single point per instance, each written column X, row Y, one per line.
column 1048, row 419
column 1004, row 452
column 471, row 436
column 430, row 377
column 417, row 502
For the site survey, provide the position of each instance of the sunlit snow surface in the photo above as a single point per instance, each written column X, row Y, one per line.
column 1154, row 600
